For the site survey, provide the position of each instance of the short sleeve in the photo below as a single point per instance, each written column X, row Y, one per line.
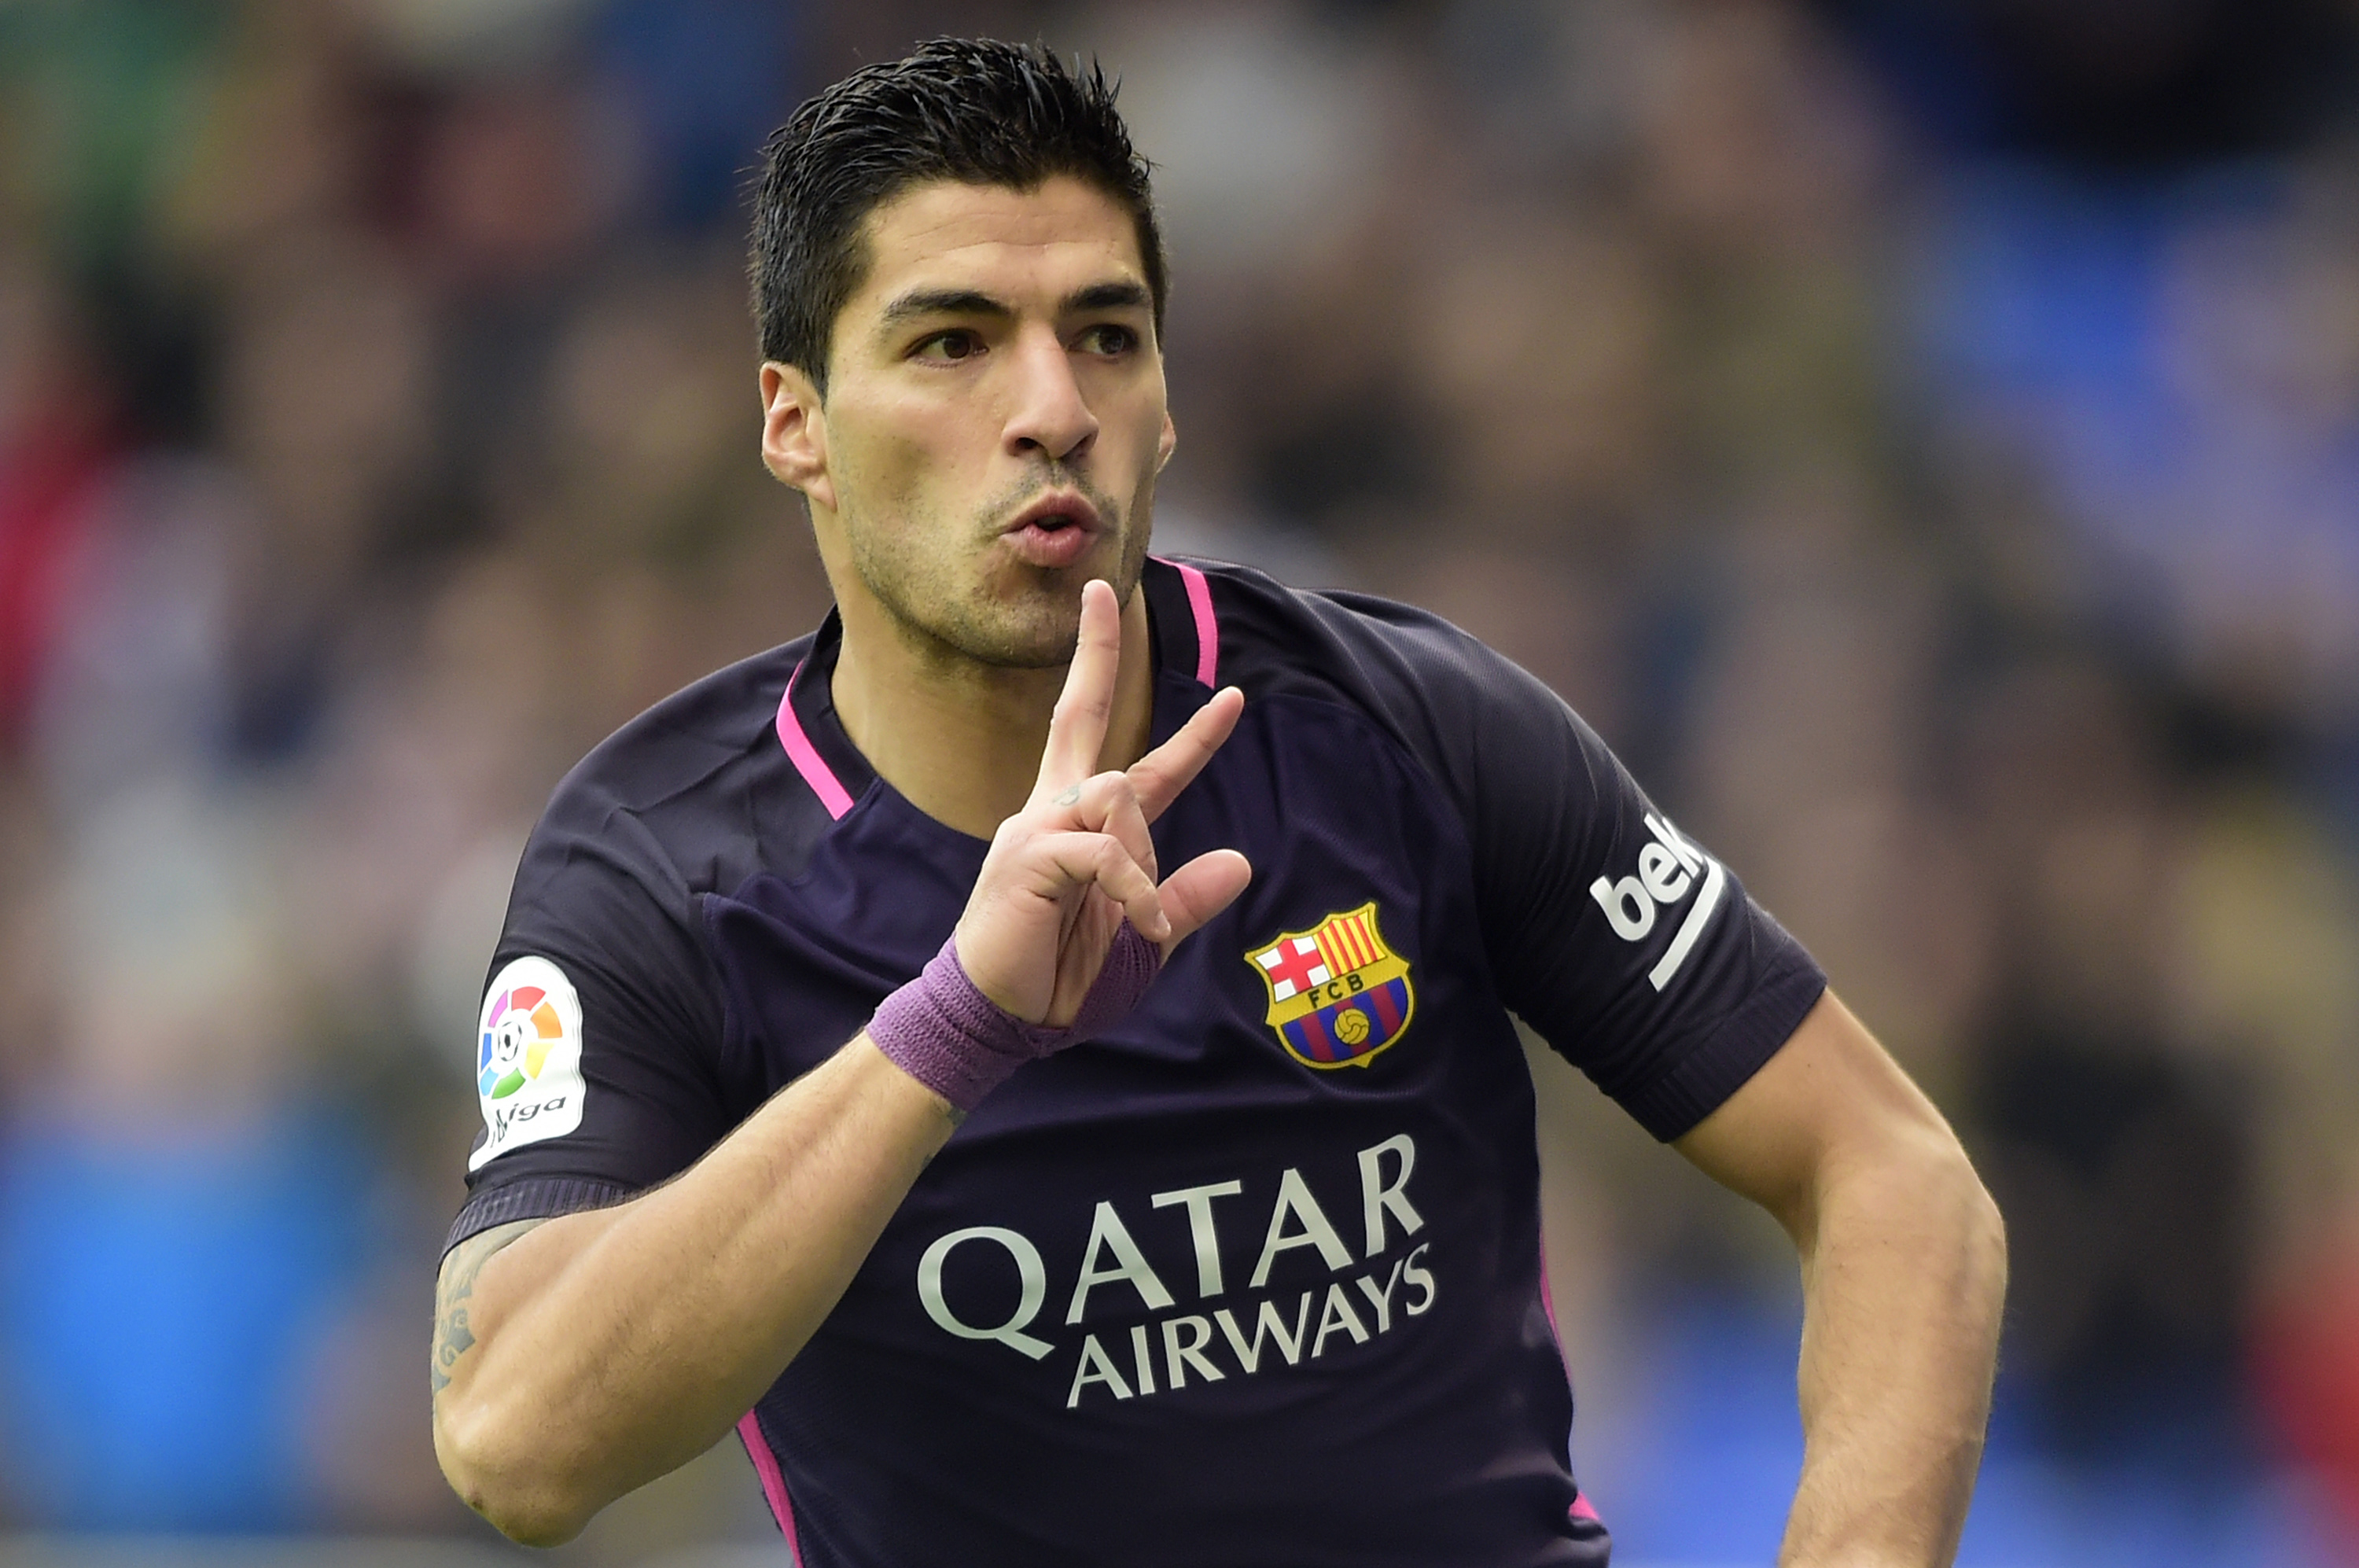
column 1629, row 948
column 597, row 1057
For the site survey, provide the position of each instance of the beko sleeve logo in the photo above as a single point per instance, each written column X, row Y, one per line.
column 1670, row 870
column 528, row 1058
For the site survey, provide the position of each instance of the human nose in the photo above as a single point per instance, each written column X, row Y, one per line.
column 1051, row 417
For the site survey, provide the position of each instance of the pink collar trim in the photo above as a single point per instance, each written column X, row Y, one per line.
column 805, row 756
column 1208, row 629
column 838, row 800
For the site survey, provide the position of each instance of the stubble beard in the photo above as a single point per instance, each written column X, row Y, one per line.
column 1003, row 615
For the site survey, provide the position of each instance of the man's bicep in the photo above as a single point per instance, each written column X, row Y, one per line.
column 1830, row 1096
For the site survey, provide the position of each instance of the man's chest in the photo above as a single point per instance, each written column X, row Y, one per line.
column 1241, row 1175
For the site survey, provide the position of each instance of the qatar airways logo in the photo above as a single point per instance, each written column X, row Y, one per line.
column 1668, row 871
column 1368, row 1292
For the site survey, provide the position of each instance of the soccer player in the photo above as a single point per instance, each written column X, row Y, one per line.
column 1034, row 1055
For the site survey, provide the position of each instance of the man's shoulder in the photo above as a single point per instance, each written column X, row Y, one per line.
column 1468, row 715
column 686, row 740
column 676, row 797
column 1275, row 634
column 1408, row 669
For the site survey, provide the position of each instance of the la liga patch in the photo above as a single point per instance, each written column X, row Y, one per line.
column 528, row 1058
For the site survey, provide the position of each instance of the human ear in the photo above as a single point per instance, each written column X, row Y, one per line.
column 794, row 432
column 1165, row 442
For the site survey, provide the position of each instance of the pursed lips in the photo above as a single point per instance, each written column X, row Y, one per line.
column 1058, row 509
column 1056, row 529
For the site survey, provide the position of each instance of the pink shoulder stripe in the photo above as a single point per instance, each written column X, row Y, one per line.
column 774, row 1485
column 1208, row 629
column 806, row 757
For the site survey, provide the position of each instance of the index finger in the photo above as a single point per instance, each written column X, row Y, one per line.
column 1157, row 777
column 1076, row 729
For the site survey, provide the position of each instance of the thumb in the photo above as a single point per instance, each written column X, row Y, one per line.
column 1201, row 890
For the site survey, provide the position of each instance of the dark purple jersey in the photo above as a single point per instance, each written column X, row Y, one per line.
column 1254, row 1279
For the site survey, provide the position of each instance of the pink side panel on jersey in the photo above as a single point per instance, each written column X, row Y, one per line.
column 774, row 1485
column 1581, row 1508
column 1208, row 630
column 806, row 757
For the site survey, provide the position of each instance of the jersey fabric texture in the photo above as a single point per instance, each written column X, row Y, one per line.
column 1255, row 1277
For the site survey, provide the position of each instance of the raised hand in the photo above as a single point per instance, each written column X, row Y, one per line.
column 1064, row 872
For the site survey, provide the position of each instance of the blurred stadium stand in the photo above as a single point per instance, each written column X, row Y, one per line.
column 1924, row 439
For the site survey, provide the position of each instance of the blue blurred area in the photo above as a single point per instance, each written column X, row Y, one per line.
column 2100, row 84
column 1721, row 1447
column 163, row 1316
column 705, row 79
column 2041, row 285
column 2143, row 341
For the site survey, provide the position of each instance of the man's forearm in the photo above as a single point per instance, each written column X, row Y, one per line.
column 1904, row 1275
column 603, row 1349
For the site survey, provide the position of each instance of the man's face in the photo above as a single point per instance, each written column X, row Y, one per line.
column 994, row 418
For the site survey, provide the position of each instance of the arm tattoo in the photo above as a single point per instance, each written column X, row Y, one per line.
column 452, row 1337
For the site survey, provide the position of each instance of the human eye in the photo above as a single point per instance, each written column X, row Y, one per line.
column 1108, row 338
column 948, row 347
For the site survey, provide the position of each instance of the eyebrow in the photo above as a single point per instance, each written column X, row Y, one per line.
column 921, row 302
column 1125, row 293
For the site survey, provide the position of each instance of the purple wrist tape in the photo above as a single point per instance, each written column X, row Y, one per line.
column 943, row 1031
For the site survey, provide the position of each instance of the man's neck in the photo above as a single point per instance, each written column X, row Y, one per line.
column 962, row 741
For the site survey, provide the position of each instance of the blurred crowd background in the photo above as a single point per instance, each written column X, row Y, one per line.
column 1922, row 435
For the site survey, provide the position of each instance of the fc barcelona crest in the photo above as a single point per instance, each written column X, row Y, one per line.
column 1337, row 994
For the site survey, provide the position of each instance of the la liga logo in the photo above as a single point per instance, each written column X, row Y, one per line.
column 528, row 1058
column 520, row 1025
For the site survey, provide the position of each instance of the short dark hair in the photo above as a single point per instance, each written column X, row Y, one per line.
column 971, row 110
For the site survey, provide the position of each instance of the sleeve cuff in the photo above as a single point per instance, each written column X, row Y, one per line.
column 1672, row 1104
column 534, row 1198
